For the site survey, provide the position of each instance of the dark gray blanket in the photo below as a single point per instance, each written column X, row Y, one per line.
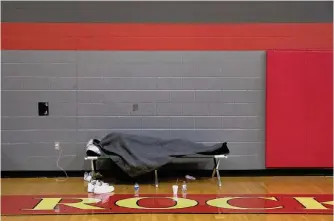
column 137, row 155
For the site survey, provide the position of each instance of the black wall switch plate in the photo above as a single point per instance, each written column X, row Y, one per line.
column 43, row 108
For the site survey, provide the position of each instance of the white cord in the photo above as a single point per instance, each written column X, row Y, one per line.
column 60, row 152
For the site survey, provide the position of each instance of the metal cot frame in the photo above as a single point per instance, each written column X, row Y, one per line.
column 216, row 160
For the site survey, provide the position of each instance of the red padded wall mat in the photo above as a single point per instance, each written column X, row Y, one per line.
column 299, row 109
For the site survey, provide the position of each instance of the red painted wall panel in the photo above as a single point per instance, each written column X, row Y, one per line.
column 319, row 105
column 299, row 109
column 81, row 36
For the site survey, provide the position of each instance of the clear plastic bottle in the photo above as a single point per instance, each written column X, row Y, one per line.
column 136, row 188
column 184, row 187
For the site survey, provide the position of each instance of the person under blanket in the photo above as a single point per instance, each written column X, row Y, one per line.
column 137, row 155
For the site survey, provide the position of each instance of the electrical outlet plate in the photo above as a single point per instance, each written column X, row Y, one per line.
column 57, row 147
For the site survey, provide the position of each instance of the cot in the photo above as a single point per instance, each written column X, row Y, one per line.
column 216, row 160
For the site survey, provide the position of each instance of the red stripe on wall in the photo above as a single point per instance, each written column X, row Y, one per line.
column 299, row 116
column 81, row 36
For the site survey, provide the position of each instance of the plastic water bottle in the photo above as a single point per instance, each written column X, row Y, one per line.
column 136, row 187
column 184, row 187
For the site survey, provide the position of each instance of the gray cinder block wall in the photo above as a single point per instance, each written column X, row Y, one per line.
column 202, row 96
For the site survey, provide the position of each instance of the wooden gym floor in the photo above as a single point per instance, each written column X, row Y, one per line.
column 231, row 185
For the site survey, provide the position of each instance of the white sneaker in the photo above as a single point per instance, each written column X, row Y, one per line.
column 101, row 188
column 100, row 183
column 97, row 186
column 91, row 186
column 88, row 176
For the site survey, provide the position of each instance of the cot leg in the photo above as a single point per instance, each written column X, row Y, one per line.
column 218, row 175
column 92, row 165
column 214, row 167
column 156, row 178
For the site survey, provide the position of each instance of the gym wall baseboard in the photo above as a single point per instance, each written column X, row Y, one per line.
column 168, row 174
